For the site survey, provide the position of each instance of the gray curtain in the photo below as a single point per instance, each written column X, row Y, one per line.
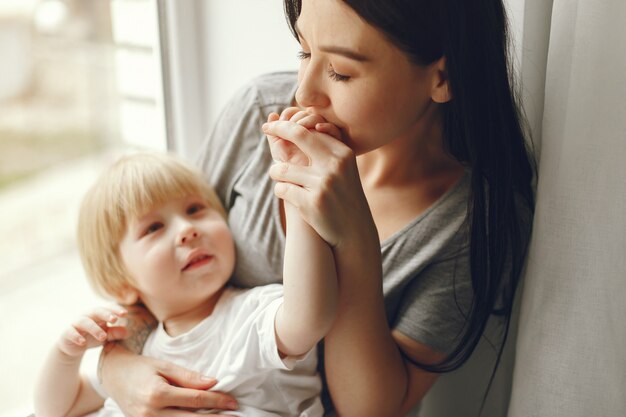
column 571, row 348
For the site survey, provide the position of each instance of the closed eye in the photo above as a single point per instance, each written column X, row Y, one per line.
column 304, row 55
column 336, row 76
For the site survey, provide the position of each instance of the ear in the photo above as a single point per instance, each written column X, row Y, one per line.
column 440, row 92
column 128, row 295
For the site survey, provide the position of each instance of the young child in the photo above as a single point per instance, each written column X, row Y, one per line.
column 151, row 231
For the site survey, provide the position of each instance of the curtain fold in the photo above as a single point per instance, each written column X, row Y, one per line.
column 571, row 346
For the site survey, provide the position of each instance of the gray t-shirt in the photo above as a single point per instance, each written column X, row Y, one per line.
column 425, row 264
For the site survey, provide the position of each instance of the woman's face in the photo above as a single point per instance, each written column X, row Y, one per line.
column 357, row 79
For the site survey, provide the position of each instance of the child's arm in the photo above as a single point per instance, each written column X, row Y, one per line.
column 309, row 275
column 60, row 391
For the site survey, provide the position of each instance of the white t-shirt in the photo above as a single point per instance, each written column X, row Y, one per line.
column 237, row 345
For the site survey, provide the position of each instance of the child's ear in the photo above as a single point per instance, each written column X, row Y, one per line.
column 440, row 92
column 128, row 295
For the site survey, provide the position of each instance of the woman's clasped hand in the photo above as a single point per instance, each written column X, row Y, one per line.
column 317, row 173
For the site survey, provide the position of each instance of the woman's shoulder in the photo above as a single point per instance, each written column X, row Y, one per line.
column 276, row 88
column 442, row 224
column 237, row 131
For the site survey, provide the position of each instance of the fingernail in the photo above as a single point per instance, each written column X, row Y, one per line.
column 207, row 379
column 231, row 405
column 265, row 127
column 112, row 318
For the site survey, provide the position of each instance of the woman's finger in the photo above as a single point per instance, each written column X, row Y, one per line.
column 285, row 151
column 184, row 377
column 197, row 399
column 272, row 117
column 117, row 333
column 178, row 412
column 291, row 193
column 302, row 138
column 294, row 174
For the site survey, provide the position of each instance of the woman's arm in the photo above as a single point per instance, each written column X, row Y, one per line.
column 363, row 358
column 144, row 386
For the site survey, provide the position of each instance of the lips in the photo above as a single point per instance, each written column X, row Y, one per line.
column 196, row 259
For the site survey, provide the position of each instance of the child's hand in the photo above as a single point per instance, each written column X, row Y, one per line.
column 310, row 121
column 285, row 151
column 93, row 329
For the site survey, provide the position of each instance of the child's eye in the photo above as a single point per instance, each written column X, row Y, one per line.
column 153, row 228
column 195, row 208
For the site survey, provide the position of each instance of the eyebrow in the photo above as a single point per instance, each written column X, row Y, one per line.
column 339, row 50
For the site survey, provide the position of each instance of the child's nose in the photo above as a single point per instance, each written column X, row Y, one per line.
column 187, row 235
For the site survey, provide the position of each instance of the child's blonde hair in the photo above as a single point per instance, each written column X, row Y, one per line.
column 127, row 190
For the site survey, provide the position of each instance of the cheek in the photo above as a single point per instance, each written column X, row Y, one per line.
column 149, row 260
column 370, row 114
column 380, row 114
column 229, row 246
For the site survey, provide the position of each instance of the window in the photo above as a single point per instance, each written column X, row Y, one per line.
column 80, row 83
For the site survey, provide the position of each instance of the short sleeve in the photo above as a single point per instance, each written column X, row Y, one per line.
column 435, row 303
column 236, row 133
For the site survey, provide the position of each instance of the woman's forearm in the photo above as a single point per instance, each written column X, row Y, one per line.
column 365, row 371
column 115, row 355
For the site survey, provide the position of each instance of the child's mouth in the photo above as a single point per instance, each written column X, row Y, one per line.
column 198, row 261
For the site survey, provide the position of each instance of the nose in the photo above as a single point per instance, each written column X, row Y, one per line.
column 187, row 234
column 311, row 91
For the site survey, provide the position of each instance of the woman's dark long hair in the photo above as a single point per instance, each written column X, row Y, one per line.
column 483, row 129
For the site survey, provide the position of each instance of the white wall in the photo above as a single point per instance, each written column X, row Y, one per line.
column 243, row 39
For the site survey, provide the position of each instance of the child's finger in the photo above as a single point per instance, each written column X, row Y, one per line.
column 87, row 326
column 301, row 115
column 309, row 120
column 273, row 116
column 329, row 129
column 288, row 113
column 73, row 336
column 103, row 315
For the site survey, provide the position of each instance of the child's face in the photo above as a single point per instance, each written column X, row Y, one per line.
column 180, row 254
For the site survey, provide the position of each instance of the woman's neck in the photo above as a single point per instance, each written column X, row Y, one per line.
column 416, row 157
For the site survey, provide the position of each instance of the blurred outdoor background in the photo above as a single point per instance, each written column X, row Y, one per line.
column 62, row 100
column 81, row 82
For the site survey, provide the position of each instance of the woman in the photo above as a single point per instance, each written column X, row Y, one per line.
column 426, row 199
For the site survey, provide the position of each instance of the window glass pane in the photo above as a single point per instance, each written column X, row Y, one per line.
column 68, row 107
